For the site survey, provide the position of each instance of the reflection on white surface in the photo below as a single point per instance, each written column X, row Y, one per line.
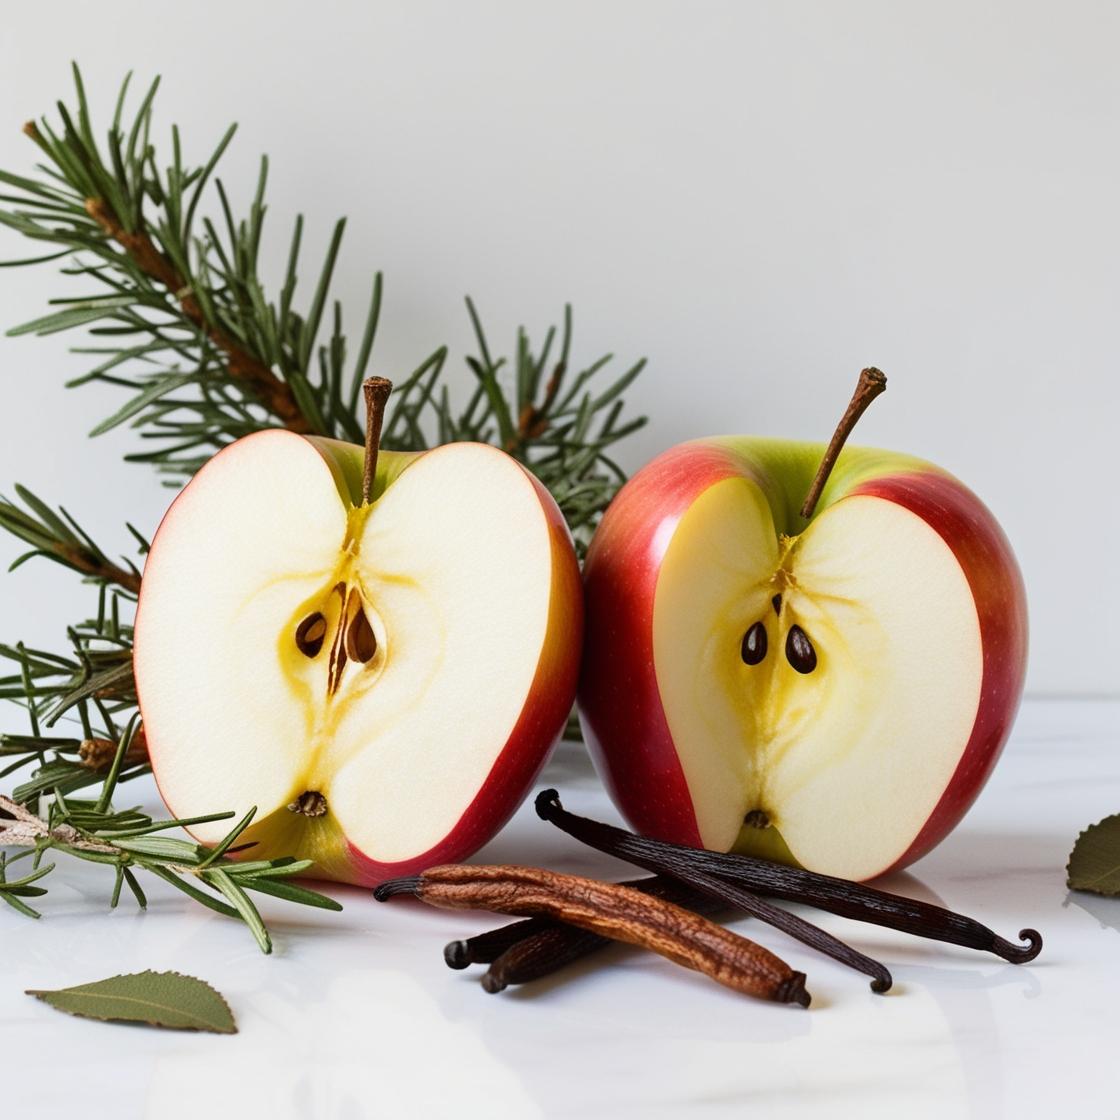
column 355, row 1014
column 374, row 1043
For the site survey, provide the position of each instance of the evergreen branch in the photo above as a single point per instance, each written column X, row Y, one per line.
column 127, row 840
column 274, row 394
column 181, row 318
column 56, row 536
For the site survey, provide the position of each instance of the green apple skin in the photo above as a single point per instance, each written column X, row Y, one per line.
column 621, row 705
column 542, row 718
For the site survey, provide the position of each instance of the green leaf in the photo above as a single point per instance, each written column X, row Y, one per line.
column 157, row 388
column 163, row 847
column 216, row 877
column 62, row 321
column 289, row 891
column 1094, row 863
column 160, row 999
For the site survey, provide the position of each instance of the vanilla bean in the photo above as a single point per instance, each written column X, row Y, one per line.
column 486, row 947
column 673, row 864
column 609, row 909
column 540, row 955
column 536, row 947
column 794, row 884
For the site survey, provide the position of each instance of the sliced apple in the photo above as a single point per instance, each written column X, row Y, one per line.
column 863, row 732
column 831, row 690
column 382, row 681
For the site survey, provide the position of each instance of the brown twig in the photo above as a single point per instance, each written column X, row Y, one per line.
column 82, row 561
column 614, row 911
column 98, row 754
column 871, row 383
column 273, row 393
column 20, row 828
column 533, row 420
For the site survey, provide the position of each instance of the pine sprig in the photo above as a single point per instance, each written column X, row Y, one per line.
column 129, row 841
column 183, row 320
column 57, row 536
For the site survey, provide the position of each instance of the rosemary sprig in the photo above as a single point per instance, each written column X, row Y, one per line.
column 129, row 841
column 182, row 319
column 92, row 682
column 57, row 536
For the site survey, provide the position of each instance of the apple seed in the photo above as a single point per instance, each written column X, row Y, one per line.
column 361, row 643
column 310, row 634
column 753, row 649
column 799, row 650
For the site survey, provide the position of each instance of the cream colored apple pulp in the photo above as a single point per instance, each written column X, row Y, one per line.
column 453, row 563
column 846, row 761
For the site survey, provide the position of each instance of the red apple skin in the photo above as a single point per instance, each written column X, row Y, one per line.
column 620, row 704
column 532, row 738
column 534, row 735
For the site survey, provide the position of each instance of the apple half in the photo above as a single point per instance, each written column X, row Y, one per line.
column 382, row 681
column 831, row 692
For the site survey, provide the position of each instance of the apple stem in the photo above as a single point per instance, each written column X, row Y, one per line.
column 871, row 383
column 377, row 390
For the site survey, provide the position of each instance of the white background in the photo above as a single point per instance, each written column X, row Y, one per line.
column 761, row 198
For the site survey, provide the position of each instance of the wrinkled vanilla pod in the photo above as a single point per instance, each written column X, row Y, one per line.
column 537, row 952
column 540, row 955
column 486, row 947
column 611, row 910
column 792, row 884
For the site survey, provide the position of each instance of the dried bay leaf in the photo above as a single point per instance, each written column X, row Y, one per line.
column 1094, row 863
column 160, row 999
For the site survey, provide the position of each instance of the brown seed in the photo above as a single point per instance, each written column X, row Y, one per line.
column 361, row 643
column 799, row 650
column 310, row 634
column 753, row 649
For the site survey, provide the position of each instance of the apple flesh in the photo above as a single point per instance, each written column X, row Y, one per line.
column 382, row 681
column 831, row 692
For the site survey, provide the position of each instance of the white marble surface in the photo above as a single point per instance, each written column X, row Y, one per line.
column 355, row 1014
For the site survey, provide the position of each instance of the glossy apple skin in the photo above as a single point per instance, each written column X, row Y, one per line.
column 620, row 705
column 547, row 705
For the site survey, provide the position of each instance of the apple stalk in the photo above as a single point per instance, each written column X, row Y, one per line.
column 871, row 383
column 376, row 390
